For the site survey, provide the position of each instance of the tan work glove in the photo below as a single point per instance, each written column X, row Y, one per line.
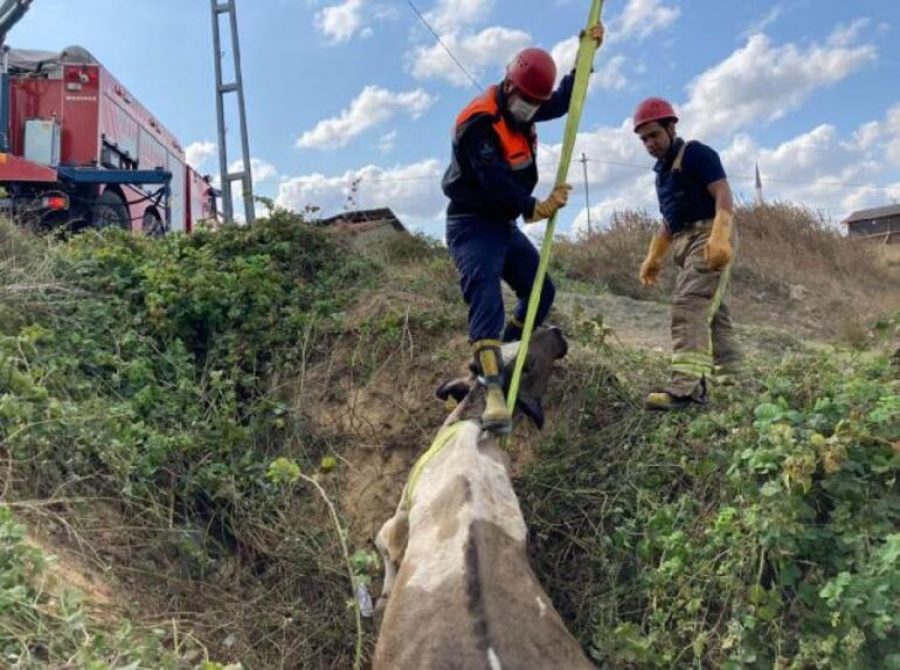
column 718, row 250
column 557, row 199
column 652, row 264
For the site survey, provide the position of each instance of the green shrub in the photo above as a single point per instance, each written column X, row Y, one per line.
column 762, row 534
column 158, row 384
column 41, row 629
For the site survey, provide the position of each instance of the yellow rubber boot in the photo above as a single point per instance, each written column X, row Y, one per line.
column 496, row 417
column 662, row 400
column 668, row 401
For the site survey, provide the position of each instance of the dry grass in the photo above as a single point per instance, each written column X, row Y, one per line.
column 795, row 270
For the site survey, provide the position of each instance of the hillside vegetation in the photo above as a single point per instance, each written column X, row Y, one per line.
column 180, row 417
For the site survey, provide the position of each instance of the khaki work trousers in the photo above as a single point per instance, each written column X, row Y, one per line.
column 702, row 334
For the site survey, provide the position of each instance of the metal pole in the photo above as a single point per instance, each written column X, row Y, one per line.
column 10, row 14
column 247, row 181
column 587, row 197
column 227, row 207
column 4, row 100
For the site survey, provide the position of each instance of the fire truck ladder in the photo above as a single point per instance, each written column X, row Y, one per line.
column 243, row 175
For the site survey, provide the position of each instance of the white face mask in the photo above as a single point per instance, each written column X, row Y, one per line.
column 521, row 110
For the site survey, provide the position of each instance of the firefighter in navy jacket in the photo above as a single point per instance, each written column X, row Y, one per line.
column 490, row 180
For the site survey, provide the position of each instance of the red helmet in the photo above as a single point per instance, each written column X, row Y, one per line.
column 533, row 72
column 653, row 109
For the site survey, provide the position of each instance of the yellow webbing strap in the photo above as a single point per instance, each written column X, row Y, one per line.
column 679, row 158
column 442, row 440
column 583, row 66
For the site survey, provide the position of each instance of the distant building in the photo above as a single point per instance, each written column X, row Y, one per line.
column 881, row 224
column 369, row 227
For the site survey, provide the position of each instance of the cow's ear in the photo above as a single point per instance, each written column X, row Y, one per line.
column 533, row 409
column 455, row 388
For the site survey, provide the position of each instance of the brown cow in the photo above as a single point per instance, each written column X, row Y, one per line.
column 459, row 591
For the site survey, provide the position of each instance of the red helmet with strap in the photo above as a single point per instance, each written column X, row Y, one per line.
column 533, row 72
column 653, row 109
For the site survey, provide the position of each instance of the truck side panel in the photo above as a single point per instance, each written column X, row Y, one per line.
column 201, row 200
column 73, row 102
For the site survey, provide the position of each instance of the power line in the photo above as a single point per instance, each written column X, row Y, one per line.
column 585, row 159
column 446, row 48
column 830, row 183
column 458, row 63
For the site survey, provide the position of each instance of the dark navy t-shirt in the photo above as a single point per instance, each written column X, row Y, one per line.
column 683, row 195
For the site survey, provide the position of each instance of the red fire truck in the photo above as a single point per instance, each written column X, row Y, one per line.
column 78, row 149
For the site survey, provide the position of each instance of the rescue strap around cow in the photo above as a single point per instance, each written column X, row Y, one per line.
column 583, row 67
column 442, row 440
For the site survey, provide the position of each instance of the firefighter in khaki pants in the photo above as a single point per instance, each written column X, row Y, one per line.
column 697, row 207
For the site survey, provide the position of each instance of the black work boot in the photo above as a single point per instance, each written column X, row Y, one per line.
column 513, row 330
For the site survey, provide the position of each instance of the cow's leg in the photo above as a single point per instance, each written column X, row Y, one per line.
column 391, row 544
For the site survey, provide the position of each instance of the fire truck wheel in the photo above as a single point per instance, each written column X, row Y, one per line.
column 110, row 211
column 152, row 225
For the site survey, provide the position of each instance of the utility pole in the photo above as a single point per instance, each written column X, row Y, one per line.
column 587, row 197
column 237, row 86
column 759, row 190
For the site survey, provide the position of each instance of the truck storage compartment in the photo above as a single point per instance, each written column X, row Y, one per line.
column 42, row 141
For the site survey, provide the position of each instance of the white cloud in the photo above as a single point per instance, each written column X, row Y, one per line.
column 891, row 131
column 819, row 168
column 823, row 170
column 607, row 75
column 374, row 105
column 564, row 54
column 411, row 191
column 198, row 153
column 619, row 174
column 880, row 140
column 760, row 82
column 386, row 142
column 642, row 18
column 845, row 34
column 764, row 21
column 602, row 212
column 340, row 22
column 815, row 168
column 481, row 54
column 452, row 15
column 261, row 171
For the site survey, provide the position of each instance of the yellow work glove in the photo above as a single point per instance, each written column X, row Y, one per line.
column 718, row 247
column 651, row 266
column 557, row 199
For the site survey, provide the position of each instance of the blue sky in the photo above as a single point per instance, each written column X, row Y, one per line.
column 358, row 91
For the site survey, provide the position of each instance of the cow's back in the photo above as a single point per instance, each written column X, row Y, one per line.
column 465, row 595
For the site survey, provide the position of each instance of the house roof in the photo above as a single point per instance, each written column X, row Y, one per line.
column 365, row 216
column 873, row 213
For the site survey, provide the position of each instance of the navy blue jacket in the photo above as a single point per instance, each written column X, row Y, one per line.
column 683, row 194
column 480, row 182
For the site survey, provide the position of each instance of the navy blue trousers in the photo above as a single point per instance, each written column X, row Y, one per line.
column 486, row 251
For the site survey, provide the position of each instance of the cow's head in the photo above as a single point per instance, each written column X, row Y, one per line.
column 546, row 346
